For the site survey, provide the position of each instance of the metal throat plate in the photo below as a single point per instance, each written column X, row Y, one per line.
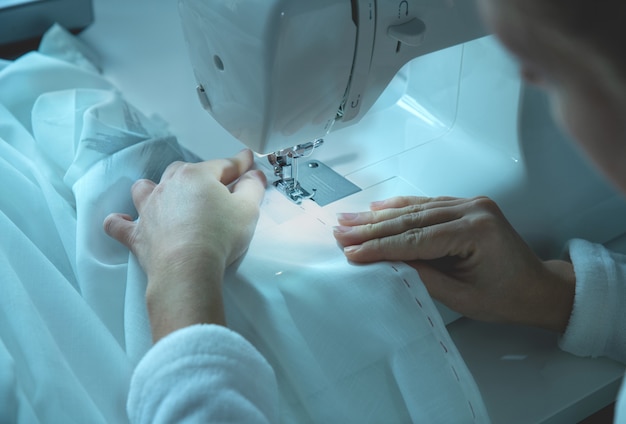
column 325, row 184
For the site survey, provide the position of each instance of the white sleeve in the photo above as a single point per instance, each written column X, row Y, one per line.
column 597, row 325
column 203, row 373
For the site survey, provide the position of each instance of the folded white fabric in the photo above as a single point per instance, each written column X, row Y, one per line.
column 70, row 148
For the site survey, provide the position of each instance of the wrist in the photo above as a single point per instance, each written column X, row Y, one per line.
column 185, row 294
column 556, row 295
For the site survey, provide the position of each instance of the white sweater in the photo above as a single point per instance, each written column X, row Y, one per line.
column 203, row 374
column 597, row 326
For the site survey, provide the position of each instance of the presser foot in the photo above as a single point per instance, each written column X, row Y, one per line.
column 293, row 190
column 285, row 164
column 324, row 185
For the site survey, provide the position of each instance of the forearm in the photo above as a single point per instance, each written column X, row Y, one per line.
column 184, row 296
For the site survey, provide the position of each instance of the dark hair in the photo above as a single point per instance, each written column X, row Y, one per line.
column 601, row 24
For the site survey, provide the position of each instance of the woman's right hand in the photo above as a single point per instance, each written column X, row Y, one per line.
column 192, row 225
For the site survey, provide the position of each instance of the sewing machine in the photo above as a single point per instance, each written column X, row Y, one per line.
column 457, row 121
column 280, row 90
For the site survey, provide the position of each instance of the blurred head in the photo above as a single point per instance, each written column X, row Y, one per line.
column 574, row 50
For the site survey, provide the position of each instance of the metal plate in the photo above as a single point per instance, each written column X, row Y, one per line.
column 328, row 186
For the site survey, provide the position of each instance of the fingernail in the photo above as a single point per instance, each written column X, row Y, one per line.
column 351, row 249
column 341, row 229
column 377, row 204
column 243, row 151
column 347, row 216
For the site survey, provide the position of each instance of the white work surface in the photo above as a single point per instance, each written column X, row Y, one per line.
column 522, row 374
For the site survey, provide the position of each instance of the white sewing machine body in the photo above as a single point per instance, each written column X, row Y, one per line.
column 290, row 71
column 460, row 122
column 453, row 121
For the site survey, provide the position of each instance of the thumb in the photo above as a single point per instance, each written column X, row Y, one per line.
column 120, row 227
column 251, row 186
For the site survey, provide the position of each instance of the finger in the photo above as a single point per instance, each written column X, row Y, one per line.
column 120, row 227
column 140, row 191
column 428, row 243
column 395, row 225
column 398, row 206
column 403, row 201
column 251, row 186
column 373, row 217
column 228, row 170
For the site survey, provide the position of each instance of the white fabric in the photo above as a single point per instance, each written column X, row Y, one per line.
column 71, row 329
column 348, row 343
column 367, row 339
column 203, row 374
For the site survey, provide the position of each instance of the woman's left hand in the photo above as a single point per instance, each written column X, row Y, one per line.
column 468, row 255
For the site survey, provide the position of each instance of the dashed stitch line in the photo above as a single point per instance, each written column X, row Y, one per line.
column 455, row 373
column 472, row 409
column 445, row 349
